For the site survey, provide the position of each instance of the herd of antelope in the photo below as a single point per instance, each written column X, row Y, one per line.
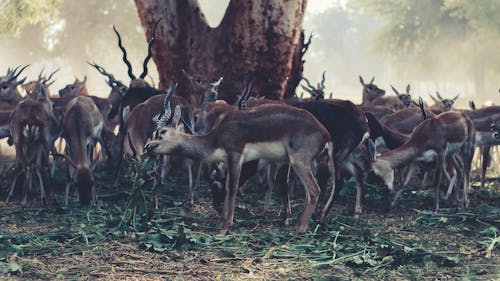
column 385, row 138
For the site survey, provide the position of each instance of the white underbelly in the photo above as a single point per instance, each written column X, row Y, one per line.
column 428, row 156
column 273, row 151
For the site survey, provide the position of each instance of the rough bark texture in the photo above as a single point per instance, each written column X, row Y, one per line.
column 256, row 38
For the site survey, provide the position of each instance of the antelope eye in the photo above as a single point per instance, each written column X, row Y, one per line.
column 5, row 87
column 71, row 87
column 123, row 90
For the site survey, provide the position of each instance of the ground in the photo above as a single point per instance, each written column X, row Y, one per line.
column 123, row 238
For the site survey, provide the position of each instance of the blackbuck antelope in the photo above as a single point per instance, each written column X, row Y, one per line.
column 442, row 105
column 139, row 90
column 277, row 133
column 447, row 136
column 317, row 93
column 483, row 118
column 9, row 95
column 405, row 120
column 30, row 127
column 405, row 99
column 82, row 127
column 370, row 92
column 384, row 137
column 400, row 101
column 348, row 129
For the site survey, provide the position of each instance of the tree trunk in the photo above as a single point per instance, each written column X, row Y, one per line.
column 259, row 38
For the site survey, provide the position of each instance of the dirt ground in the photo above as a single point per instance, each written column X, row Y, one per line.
column 123, row 238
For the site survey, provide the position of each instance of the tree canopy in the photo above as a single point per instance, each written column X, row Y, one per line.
column 441, row 38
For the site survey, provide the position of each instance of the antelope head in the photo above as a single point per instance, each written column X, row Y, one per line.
column 370, row 90
column 201, row 88
column 118, row 89
column 76, row 89
column 42, row 81
column 9, row 83
column 318, row 92
column 446, row 104
column 167, row 135
column 405, row 98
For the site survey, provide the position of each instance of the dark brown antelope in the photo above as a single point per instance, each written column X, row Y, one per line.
column 273, row 132
column 405, row 120
column 82, row 127
column 442, row 105
column 317, row 93
column 448, row 135
column 30, row 127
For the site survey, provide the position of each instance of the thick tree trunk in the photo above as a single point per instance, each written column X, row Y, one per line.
column 259, row 38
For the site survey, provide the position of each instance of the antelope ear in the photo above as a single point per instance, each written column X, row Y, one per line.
column 408, row 89
column 363, row 82
column 373, row 79
column 456, row 97
column 433, row 98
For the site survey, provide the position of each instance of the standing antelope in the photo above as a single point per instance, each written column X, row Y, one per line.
column 30, row 127
column 82, row 126
column 273, row 132
column 436, row 139
column 442, row 105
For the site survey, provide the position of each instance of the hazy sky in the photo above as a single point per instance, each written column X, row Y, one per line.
column 341, row 46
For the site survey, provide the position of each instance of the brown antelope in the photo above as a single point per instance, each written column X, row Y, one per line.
column 30, row 127
column 442, row 105
column 273, row 132
column 82, row 126
column 9, row 95
column 370, row 92
column 405, row 120
column 444, row 136
column 400, row 101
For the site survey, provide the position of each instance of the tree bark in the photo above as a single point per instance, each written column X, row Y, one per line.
column 258, row 38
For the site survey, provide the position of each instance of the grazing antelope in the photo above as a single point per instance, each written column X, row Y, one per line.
column 9, row 95
column 348, row 129
column 272, row 132
column 82, row 127
column 448, row 135
column 442, row 105
column 30, row 127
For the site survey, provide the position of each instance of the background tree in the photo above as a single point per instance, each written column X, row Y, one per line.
column 443, row 39
column 254, row 39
